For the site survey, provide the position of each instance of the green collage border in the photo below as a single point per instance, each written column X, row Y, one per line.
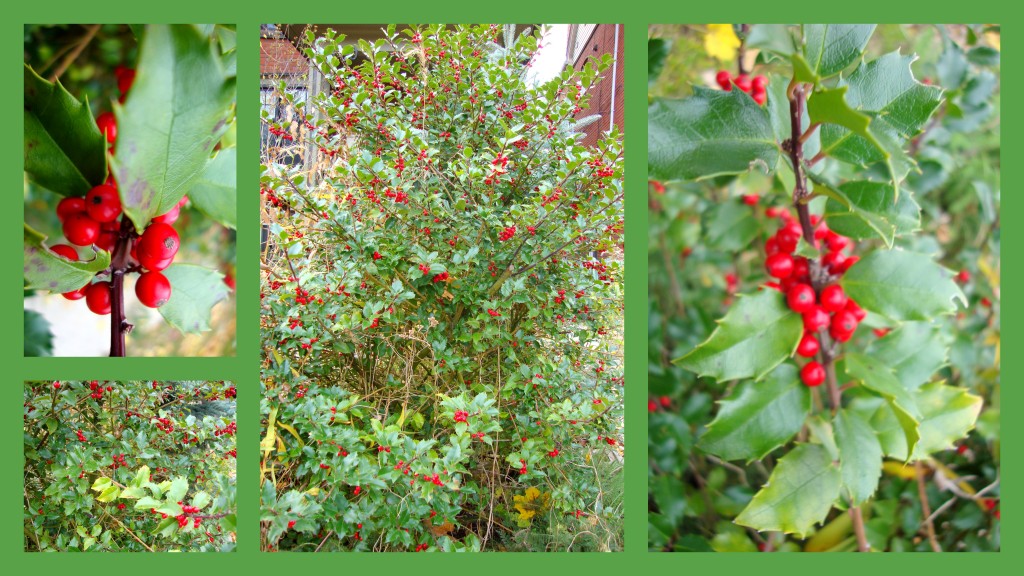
column 244, row 368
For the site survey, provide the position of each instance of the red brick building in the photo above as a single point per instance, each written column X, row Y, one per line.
column 588, row 41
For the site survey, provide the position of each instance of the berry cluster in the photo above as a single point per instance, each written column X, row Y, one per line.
column 118, row 461
column 461, row 415
column 811, row 289
column 96, row 390
column 756, row 86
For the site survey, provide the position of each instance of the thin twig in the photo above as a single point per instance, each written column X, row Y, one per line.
column 922, row 494
column 90, row 32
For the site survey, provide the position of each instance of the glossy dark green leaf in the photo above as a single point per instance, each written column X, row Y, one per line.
column 899, row 106
column 64, row 150
column 712, row 133
column 798, row 495
column 871, row 209
column 755, row 336
column 831, row 48
column 860, row 456
column 657, row 51
column 758, row 417
column 902, row 285
column 38, row 337
column 176, row 112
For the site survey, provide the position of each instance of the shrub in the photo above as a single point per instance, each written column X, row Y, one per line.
column 440, row 309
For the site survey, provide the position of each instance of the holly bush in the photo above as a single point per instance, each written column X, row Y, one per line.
column 129, row 466
column 824, row 290
column 441, row 302
column 116, row 184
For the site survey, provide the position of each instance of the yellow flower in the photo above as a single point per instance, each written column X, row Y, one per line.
column 530, row 503
column 721, row 42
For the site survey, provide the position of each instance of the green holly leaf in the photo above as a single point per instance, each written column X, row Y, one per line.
column 178, row 489
column 899, row 106
column 133, row 492
column 657, row 51
column 176, row 112
column 831, row 48
column 915, row 351
column 64, row 150
column 862, row 210
column 194, row 292
column 167, row 527
column 109, row 494
column 141, row 477
column 201, row 499
column 880, row 379
column 712, row 133
column 758, row 417
column 776, row 38
column 902, row 286
column 829, row 106
column 798, row 495
column 214, row 193
column 730, row 226
column 860, row 455
column 148, row 502
column 101, row 484
column 755, row 336
column 38, row 337
column 45, row 270
column 948, row 413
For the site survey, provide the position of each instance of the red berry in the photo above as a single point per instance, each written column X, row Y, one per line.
column 97, row 297
column 833, row 299
column 159, row 242
column 808, row 346
column 724, row 79
column 69, row 206
column 836, row 242
column 779, row 265
column 81, row 230
column 108, row 126
column 169, row 217
column 835, row 261
column 65, row 251
column 801, row 269
column 153, row 289
column 858, row 312
column 103, row 203
column 787, row 240
column 750, row 199
column 743, row 82
column 844, row 323
column 964, row 276
column 800, row 298
column 771, row 245
column 759, row 96
column 812, row 374
column 816, row 319
column 759, row 83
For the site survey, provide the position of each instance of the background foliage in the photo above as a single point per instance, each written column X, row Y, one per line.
column 101, row 456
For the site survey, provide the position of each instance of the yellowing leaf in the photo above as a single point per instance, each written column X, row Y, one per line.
column 721, row 42
column 267, row 444
column 293, row 432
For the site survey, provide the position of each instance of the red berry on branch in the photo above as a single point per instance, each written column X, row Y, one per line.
column 108, row 126
column 751, row 199
column 724, row 79
column 812, row 374
column 844, row 324
column 858, row 312
column 808, row 346
column 81, row 230
column 833, row 299
column 103, row 204
column 779, row 265
column 759, row 83
column 153, row 289
column 816, row 319
column 69, row 206
column 743, row 82
column 159, row 241
column 759, row 96
column 97, row 297
column 800, row 298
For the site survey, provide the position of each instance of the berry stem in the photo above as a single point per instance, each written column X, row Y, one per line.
column 118, row 322
column 827, row 353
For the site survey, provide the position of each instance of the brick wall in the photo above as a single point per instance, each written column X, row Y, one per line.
column 278, row 56
column 611, row 85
